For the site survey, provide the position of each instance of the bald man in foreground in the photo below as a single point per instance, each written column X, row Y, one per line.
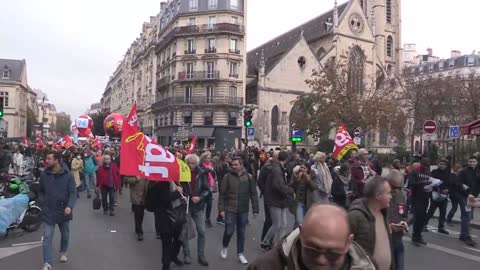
column 323, row 242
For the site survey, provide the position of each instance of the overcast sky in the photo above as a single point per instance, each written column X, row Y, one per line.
column 72, row 47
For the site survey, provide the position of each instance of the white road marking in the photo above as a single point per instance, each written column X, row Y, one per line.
column 113, row 231
column 7, row 252
column 474, row 249
column 449, row 251
column 452, row 233
column 27, row 244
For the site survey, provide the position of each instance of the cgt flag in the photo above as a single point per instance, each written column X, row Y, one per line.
column 193, row 144
column 147, row 159
column 343, row 143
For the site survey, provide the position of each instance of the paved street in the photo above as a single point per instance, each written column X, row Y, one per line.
column 101, row 242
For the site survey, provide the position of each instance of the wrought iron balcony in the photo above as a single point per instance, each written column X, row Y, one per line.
column 163, row 81
column 234, row 51
column 198, row 100
column 211, row 50
column 198, row 75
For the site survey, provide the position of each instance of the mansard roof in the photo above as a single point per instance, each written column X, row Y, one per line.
column 275, row 49
column 14, row 67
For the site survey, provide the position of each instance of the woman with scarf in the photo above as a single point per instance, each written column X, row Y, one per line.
column 108, row 181
column 303, row 187
column 323, row 178
column 342, row 186
column 206, row 164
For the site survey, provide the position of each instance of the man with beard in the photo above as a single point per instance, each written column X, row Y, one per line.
column 57, row 197
column 323, row 242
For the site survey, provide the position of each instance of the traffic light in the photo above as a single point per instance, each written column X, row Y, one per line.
column 247, row 118
column 1, row 107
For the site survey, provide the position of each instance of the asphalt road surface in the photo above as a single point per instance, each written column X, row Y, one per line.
column 99, row 242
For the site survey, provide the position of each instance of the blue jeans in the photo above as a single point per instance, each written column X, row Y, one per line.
column 399, row 253
column 108, row 198
column 198, row 217
column 91, row 181
column 239, row 220
column 299, row 214
column 279, row 225
column 465, row 219
column 48, row 238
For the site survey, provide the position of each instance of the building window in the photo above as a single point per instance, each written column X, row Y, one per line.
column 193, row 4
column 234, row 45
column 210, row 94
column 234, row 70
column 232, row 91
column 211, row 45
column 389, row 46
column 451, row 63
column 188, row 94
column 441, row 65
column 235, row 20
column 389, row 11
column 190, row 46
column 210, row 70
column 232, row 118
column 274, row 123
column 212, row 20
column 171, row 118
column 6, row 74
column 192, row 21
column 430, row 67
column 187, row 118
column 4, row 98
column 234, row 4
column 208, row 118
column 356, row 70
column 190, row 71
column 212, row 4
column 470, row 61
column 301, row 62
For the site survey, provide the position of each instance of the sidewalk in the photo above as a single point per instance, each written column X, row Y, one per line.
column 475, row 223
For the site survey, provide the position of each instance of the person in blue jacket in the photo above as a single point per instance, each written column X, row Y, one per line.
column 57, row 197
column 90, row 172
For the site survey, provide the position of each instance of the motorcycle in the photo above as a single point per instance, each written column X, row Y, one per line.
column 30, row 218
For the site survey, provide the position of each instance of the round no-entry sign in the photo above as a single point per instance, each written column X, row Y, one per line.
column 430, row 126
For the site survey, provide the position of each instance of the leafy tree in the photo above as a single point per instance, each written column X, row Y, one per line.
column 334, row 99
column 63, row 123
column 98, row 119
column 31, row 121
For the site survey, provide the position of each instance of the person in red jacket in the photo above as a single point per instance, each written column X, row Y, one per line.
column 108, row 181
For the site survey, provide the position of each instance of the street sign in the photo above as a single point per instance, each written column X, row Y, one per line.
column 430, row 127
column 430, row 137
column 3, row 125
column 357, row 132
column 297, row 135
column 250, row 132
column 454, row 132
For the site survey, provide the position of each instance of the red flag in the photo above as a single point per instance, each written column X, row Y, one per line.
column 67, row 142
column 39, row 143
column 54, row 145
column 24, row 140
column 98, row 143
column 343, row 143
column 193, row 144
column 132, row 119
column 145, row 158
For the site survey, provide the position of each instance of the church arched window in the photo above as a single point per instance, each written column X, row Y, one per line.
column 356, row 70
column 320, row 53
column 274, row 122
column 389, row 46
column 389, row 11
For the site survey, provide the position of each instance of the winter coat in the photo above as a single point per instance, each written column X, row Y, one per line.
column 103, row 176
column 91, row 165
column 263, row 176
column 288, row 256
column 201, row 188
column 277, row 192
column 138, row 189
column 339, row 192
column 162, row 198
column 358, row 177
column 470, row 178
column 57, row 191
column 77, row 166
column 236, row 192
column 362, row 224
column 397, row 212
column 417, row 180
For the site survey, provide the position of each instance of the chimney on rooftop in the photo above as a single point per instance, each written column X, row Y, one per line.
column 163, row 5
column 430, row 52
column 455, row 53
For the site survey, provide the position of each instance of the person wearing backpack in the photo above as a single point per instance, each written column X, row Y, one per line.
column 90, row 172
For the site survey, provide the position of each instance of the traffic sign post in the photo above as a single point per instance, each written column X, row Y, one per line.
column 454, row 132
column 430, row 127
column 250, row 132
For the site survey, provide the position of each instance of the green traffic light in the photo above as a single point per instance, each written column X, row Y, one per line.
column 248, row 123
column 1, row 113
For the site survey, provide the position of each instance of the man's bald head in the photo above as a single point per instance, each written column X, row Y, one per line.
column 325, row 230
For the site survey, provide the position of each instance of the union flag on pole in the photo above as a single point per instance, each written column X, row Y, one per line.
column 144, row 158
column 343, row 143
column 193, row 144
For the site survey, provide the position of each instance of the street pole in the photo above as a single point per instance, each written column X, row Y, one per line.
column 43, row 120
column 246, row 138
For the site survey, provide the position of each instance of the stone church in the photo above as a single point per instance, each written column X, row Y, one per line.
column 365, row 34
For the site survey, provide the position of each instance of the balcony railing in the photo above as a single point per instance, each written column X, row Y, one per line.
column 163, row 81
column 234, row 51
column 198, row 75
column 190, row 51
column 211, row 50
column 200, row 29
column 198, row 100
column 233, row 75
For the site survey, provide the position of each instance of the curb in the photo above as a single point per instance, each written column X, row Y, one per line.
column 475, row 224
